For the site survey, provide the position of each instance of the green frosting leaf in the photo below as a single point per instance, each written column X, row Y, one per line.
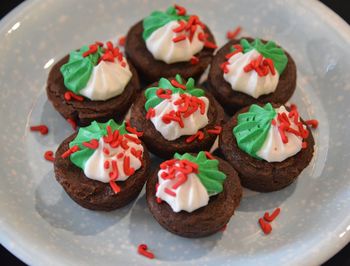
column 158, row 19
column 94, row 131
column 208, row 172
column 252, row 128
column 153, row 100
column 268, row 50
column 76, row 73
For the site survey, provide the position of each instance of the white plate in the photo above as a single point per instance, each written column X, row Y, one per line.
column 42, row 226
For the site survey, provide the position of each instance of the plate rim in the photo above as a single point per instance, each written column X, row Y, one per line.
column 30, row 256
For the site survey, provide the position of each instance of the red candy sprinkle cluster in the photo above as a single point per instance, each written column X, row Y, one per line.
column 267, row 219
column 261, row 65
column 285, row 125
column 109, row 52
column 178, row 169
column 187, row 105
column 186, row 30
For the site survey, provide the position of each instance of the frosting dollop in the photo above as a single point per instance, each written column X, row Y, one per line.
column 108, row 79
column 249, row 82
column 273, row 149
column 95, row 166
column 173, row 130
column 187, row 182
column 191, row 196
column 270, row 134
column 162, row 46
column 96, row 72
column 107, row 152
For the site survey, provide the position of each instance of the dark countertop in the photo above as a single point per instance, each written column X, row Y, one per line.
column 341, row 7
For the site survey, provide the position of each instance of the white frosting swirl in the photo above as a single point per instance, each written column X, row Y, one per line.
column 190, row 196
column 94, row 166
column 161, row 46
column 249, row 82
column 172, row 131
column 107, row 80
column 273, row 149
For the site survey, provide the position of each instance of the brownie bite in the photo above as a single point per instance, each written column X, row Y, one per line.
column 250, row 71
column 193, row 195
column 102, row 166
column 176, row 116
column 168, row 43
column 94, row 83
column 268, row 145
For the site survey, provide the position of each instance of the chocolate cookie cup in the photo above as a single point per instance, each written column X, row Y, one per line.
column 151, row 68
column 233, row 100
column 255, row 172
column 94, row 194
column 202, row 138
column 202, row 221
column 81, row 109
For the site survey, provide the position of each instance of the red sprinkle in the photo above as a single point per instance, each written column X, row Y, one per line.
column 43, row 129
column 150, row 113
column 233, row 34
column 177, row 84
column 181, row 11
column 179, row 38
column 114, row 186
column 210, row 45
column 48, row 155
column 270, row 218
column 106, row 151
column 159, row 200
column 132, row 129
column 114, row 174
column 133, row 139
column 217, row 130
column 224, row 67
column 313, row 123
column 194, row 60
column 72, row 123
column 181, row 27
column 163, row 94
column 169, row 192
column 92, row 144
column 209, row 155
column 122, row 40
column 266, row 227
column 142, row 249
column 126, row 166
column 106, row 165
column 199, row 135
column 70, row 151
column 69, row 95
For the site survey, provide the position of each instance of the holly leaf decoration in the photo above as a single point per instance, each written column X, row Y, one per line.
column 153, row 100
column 268, row 50
column 158, row 19
column 77, row 71
column 252, row 128
column 85, row 134
column 208, row 172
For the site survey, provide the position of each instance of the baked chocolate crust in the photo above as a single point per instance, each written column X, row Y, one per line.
column 234, row 100
column 151, row 70
column 260, row 175
column 93, row 194
column 161, row 147
column 203, row 221
column 83, row 113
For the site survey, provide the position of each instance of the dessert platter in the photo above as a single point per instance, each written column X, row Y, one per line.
column 139, row 132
